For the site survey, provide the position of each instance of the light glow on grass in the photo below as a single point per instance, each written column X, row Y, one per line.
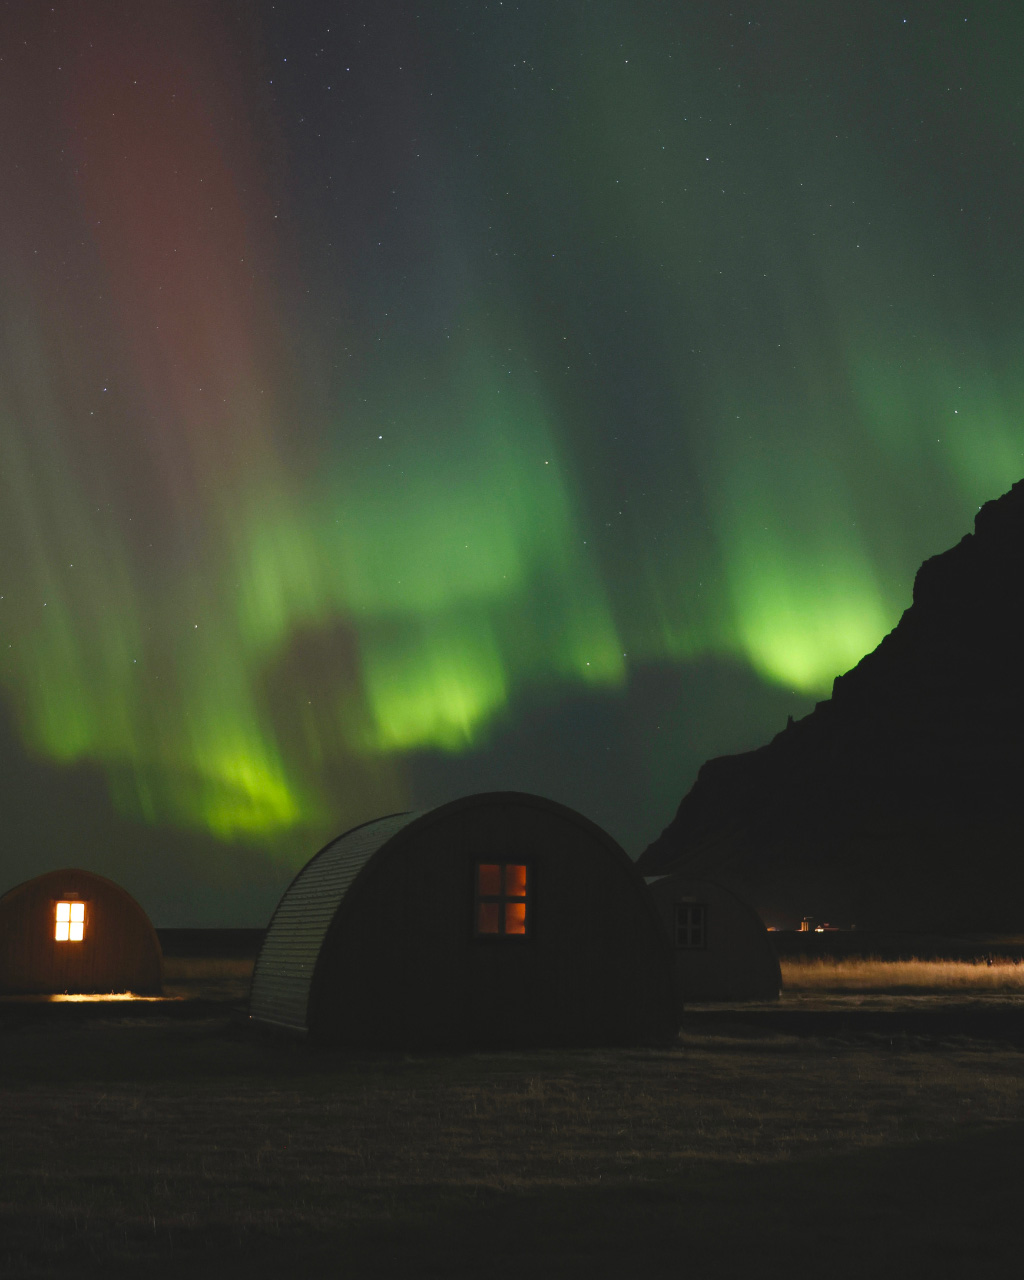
column 98, row 997
column 873, row 974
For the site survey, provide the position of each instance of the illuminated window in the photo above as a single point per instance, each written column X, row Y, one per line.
column 70, row 923
column 691, row 925
column 501, row 901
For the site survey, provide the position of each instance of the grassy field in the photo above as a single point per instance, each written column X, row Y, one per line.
column 870, row 974
column 151, row 1147
column 229, row 977
column 208, row 977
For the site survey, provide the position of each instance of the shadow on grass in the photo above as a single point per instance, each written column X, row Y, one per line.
column 932, row 1209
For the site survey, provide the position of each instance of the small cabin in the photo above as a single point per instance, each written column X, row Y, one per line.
column 497, row 920
column 76, row 932
column 721, row 949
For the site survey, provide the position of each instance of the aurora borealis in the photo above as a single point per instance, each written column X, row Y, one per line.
column 397, row 402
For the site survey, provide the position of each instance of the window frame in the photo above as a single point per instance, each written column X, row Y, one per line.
column 70, row 902
column 502, row 899
column 689, row 906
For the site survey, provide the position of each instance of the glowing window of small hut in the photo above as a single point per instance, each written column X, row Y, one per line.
column 501, row 899
column 70, row 922
column 691, row 925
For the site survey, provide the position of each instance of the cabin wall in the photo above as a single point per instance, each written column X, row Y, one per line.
column 738, row 961
column 401, row 967
column 120, row 950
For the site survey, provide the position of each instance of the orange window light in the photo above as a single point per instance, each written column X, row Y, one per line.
column 489, row 917
column 501, row 899
column 489, row 880
column 70, row 922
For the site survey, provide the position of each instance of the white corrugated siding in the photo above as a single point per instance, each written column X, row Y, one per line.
column 284, row 969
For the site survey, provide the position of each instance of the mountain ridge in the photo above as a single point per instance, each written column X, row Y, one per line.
column 897, row 802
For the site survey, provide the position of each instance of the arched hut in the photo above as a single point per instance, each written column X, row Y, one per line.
column 77, row 932
column 495, row 920
column 720, row 946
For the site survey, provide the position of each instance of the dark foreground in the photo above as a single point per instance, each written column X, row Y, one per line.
column 158, row 1147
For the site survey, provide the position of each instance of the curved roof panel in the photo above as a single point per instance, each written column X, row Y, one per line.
column 284, row 969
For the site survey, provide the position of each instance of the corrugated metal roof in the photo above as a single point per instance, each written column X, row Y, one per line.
column 284, row 969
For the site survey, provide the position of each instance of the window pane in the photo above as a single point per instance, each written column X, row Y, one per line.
column 78, row 911
column 515, row 917
column 77, row 930
column 63, row 910
column 515, row 881
column 488, row 917
column 690, row 918
column 488, row 880
column 62, row 931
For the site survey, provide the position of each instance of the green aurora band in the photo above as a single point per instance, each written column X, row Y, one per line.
column 686, row 366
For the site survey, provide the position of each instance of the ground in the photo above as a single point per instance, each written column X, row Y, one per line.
column 162, row 1146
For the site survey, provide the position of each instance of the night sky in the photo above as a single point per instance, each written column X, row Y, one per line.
column 398, row 401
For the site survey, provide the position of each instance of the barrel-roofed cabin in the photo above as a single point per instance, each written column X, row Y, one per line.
column 721, row 948
column 496, row 920
column 76, row 932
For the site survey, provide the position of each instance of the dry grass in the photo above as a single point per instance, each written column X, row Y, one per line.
column 203, row 968
column 208, row 977
column 163, row 1149
column 869, row 974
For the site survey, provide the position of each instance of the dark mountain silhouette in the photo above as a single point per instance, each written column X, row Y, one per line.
column 899, row 802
